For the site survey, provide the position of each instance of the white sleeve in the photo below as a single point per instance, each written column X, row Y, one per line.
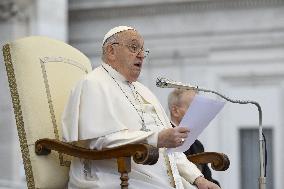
column 187, row 169
column 124, row 137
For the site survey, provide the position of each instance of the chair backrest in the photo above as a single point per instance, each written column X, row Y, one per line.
column 41, row 73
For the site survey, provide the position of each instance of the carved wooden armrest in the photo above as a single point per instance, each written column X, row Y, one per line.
column 142, row 154
column 219, row 161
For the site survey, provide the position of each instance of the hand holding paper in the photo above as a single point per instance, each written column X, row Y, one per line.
column 200, row 113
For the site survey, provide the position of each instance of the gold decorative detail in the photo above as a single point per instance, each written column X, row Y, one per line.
column 168, row 167
column 47, row 90
column 43, row 61
column 64, row 60
column 18, row 116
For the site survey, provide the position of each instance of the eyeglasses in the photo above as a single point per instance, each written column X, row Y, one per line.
column 134, row 49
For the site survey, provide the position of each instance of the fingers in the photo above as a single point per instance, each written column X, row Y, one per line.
column 172, row 137
column 183, row 135
column 178, row 142
column 203, row 183
column 182, row 129
column 181, row 132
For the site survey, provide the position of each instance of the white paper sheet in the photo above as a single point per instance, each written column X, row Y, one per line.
column 198, row 116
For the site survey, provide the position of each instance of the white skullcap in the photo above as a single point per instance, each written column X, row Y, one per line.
column 116, row 30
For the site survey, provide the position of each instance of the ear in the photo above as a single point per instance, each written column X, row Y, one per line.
column 110, row 52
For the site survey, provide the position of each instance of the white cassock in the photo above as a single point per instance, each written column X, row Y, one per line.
column 99, row 112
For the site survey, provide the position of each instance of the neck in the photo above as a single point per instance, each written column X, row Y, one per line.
column 113, row 65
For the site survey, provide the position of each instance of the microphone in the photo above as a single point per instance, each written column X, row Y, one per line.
column 166, row 83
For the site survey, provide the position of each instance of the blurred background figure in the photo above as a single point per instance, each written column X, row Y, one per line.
column 234, row 47
column 179, row 101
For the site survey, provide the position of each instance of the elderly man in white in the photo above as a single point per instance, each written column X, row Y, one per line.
column 109, row 108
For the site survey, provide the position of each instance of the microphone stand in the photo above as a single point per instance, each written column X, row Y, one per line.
column 165, row 83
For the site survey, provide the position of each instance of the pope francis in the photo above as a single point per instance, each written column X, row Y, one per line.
column 109, row 108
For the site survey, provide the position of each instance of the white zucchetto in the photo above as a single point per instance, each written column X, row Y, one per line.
column 116, row 30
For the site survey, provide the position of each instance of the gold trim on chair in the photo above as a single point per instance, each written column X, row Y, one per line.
column 18, row 116
column 49, row 98
column 64, row 60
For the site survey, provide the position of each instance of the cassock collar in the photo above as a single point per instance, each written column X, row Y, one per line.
column 173, row 124
column 115, row 74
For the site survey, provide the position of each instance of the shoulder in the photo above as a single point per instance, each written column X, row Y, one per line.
column 95, row 78
column 96, row 75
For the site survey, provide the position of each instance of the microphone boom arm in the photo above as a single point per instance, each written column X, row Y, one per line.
column 165, row 83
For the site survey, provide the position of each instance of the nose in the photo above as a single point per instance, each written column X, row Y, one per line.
column 141, row 54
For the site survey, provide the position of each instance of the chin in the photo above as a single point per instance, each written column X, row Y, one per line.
column 134, row 76
column 133, row 79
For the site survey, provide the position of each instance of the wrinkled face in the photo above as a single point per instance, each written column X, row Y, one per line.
column 128, row 54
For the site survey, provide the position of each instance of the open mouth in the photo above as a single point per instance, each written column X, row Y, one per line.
column 138, row 65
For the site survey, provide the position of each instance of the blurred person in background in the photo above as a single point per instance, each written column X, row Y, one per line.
column 179, row 101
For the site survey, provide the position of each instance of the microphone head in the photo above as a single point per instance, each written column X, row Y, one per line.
column 162, row 82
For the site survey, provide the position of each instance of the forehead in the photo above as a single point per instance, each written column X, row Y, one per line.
column 188, row 95
column 130, row 36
